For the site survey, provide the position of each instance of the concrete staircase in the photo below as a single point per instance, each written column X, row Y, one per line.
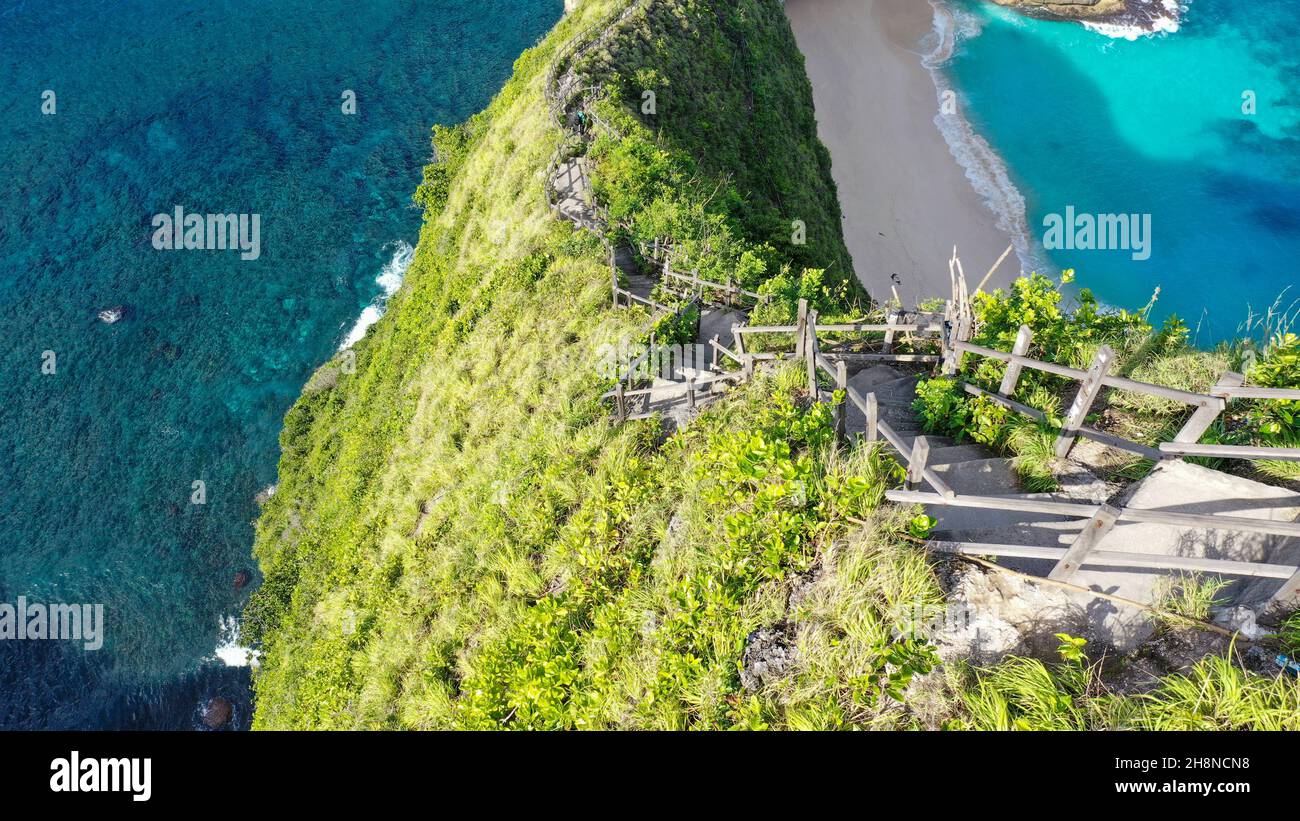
column 668, row 390
column 1014, row 616
column 573, row 193
column 638, row 283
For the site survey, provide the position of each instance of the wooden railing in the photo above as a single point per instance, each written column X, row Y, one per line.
column 1208, row 407
column 1101, row 518
column 690, row 391
column 927, row 326
column 732, row 293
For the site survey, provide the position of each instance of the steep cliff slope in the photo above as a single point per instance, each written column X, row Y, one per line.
column 444, row 485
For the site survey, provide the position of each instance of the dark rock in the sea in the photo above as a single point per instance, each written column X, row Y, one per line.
column 241, row 580
column 1128, row 17
column 217, row 712
column 173, row 509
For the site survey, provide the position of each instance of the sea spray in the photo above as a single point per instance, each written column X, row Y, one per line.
column 229, row 651
column 389, row 280
column 1149, row 18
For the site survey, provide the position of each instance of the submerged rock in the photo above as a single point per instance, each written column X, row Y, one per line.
column 111, row 315
column 241, row 579
column 218, row 712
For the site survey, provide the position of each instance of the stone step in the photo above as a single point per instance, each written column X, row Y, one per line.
column 1170, row 487
column 956, row 453
column 1181, row 487
column 898, row 415
column 971, row 524
column 718, row 321
column 979, row 477
column 1029, row 529
column 897, row 388
column 873, row 376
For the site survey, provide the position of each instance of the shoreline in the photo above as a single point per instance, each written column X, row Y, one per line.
column 913, row 181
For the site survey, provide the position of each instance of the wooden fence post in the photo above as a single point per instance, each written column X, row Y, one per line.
column 916, row 464
column 690, row 392
column 890, row 319
column 800, row 334
column 810, row 352
column 1011, row 375
column 1093, row 532
column 965, row 329
column 842, row 409
column 749, row 366
column 738, row 338
column 1088, row 391
column 1208, row 411
column 713, row 365
column 1283, row 598
column 873, row 418
column 946, row 331
column 620, row 411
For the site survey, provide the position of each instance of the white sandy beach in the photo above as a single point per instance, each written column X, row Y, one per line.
column 906, row 201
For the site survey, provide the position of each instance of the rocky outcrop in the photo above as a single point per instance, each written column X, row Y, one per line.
column 1121, row 15
column 217, row 712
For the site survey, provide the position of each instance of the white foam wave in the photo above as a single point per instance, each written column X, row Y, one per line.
column 229, row 651
column 1158, row 17
column 984, row 167
column 389, row 280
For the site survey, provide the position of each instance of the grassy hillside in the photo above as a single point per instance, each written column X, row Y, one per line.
column 462, row 539
column 724, row 84
column 430, row 500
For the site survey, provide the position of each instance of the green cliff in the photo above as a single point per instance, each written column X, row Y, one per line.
column 462, row 538
column 442, row 488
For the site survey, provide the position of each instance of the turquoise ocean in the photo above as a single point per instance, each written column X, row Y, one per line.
column 1198, row 128
column 112, row 111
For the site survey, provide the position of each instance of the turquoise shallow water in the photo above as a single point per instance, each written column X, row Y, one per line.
column 1154, row 126
column 217, row 107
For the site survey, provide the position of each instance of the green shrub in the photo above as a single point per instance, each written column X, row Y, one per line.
column 1277, row 421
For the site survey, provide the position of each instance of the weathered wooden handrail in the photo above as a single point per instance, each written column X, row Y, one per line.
column 826, row 365
column 725, row 351
column 790, row 329
column 1117, row 382
column 1083, row 430
column 1102, row 517
column 927, row 473
column 1230, row 451
column 699, row 383
column 1251, row 392
column 649, row 302
column 1206, row 521
column 716, row 286
column 1208, row 406
column 1121, row 558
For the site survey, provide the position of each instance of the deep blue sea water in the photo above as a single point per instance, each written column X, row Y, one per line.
column 229, row 106
column 1154, row 126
